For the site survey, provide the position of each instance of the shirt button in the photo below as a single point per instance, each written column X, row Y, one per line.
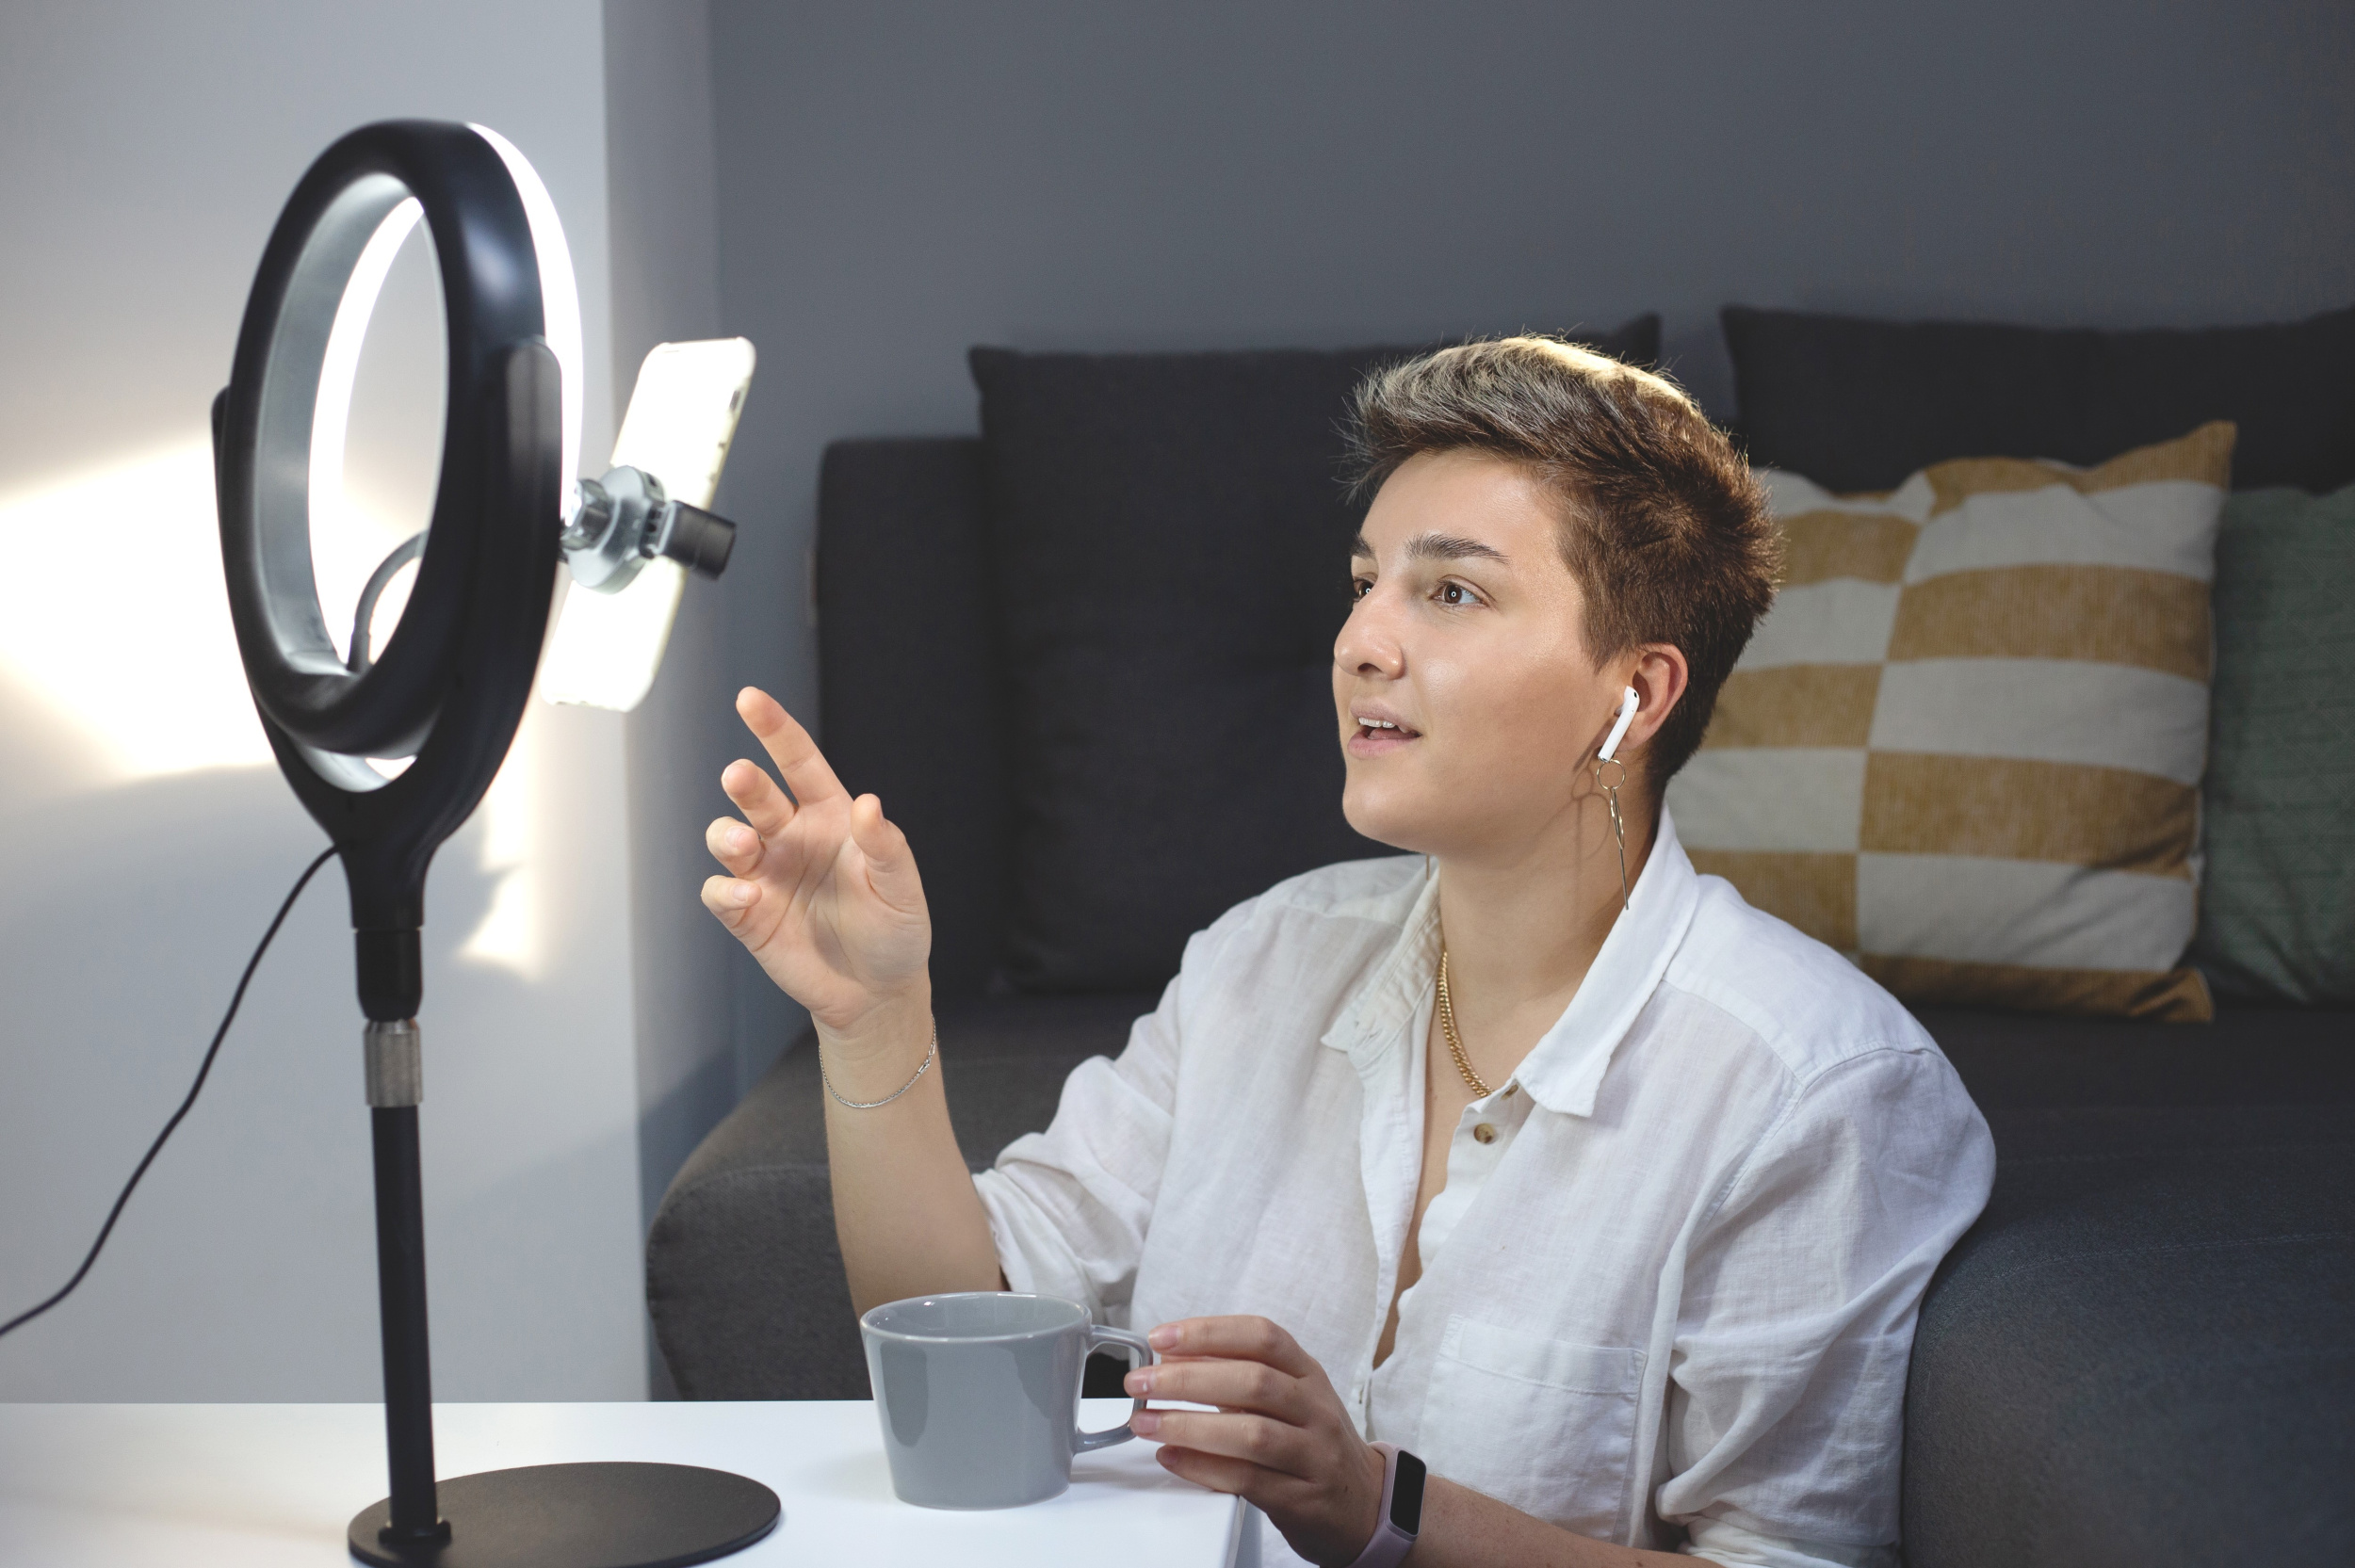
column 1484, row 1133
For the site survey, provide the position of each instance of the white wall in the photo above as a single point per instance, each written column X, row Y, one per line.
column 145, row 839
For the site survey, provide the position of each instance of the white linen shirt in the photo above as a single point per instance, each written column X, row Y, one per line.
column 1668, row 1292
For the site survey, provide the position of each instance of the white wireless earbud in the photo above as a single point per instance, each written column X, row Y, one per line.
column 1619, row 728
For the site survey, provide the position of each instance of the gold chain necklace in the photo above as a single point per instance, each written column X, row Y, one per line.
column 1455, row 1042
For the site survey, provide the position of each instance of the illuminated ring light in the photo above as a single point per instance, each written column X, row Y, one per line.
column 449, row 685
column 507, row 282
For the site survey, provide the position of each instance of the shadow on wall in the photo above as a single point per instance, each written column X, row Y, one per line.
column 244, row 1268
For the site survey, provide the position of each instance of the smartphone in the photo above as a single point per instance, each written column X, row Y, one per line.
column 681, row 417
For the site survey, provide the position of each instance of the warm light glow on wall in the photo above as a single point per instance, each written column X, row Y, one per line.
column 508, row 934
column 114, row 617
column 139, row 665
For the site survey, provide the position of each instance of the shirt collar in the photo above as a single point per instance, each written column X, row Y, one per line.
column 1564, row 1069
column 1374, row 1022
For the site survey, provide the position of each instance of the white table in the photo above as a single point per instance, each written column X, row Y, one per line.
column 259, row 1485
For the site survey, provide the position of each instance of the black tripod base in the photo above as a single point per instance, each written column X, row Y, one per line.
column 581, row 1516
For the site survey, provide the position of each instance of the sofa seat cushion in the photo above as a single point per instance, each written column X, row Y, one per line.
column 2144, row 1352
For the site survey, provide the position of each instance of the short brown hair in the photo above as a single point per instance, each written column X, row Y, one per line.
column 1664, row 530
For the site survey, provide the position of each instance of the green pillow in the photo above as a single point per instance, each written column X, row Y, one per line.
column 2277, row 916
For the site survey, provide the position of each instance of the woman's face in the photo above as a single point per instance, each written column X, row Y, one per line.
column 1469, row 703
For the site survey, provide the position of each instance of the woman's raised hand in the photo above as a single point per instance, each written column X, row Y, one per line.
column 820, row 888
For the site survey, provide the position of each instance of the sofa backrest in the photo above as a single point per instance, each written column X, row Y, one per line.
column 910, row 684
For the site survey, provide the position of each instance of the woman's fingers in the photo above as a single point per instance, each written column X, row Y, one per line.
column 730, row 899
column 733, row 846
column 1240, row 1339
column 789, row 747
column 890, row 866
column 1213, row 1472
column 1255, row 1440
column 1279, row 1435
column 1246, row 1385
column 756, row 795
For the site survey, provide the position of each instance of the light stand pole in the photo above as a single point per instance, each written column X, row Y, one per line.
column 412, row 1513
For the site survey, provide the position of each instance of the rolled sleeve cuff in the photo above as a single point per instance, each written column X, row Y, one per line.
column 1030, row 1249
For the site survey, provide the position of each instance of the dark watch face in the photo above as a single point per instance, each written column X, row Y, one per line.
column 1407, row 1494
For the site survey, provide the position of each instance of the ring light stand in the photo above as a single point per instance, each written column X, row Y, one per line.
column 447, row 689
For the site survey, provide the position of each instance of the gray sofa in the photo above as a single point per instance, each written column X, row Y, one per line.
column 2143, row 1353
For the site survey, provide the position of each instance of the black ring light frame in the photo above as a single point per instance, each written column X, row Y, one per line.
column 448, row 689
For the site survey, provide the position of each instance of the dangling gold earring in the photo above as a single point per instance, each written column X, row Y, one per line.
column 1629, row 703
column 1619, row 826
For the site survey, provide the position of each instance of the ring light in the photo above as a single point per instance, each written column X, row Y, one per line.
column 447, row 691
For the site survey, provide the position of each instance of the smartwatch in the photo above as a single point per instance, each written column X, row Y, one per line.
column 1402, row 1508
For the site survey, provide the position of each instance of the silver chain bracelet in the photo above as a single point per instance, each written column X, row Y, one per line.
column 869, row 1105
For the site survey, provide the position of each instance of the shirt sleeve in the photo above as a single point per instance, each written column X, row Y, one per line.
column 1069, row 1207
column 1787, row 1382
column 1731, row 1544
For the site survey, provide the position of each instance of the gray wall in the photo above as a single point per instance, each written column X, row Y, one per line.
column 899, row 181
column 145, row 836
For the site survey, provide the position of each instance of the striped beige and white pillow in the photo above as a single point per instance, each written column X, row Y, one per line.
column 1965, row 747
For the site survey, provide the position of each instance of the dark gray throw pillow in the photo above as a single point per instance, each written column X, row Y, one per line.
column 1170, row 536
column 1857, row 405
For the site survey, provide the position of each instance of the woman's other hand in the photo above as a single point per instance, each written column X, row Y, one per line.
column 820, row 888
column 1279, row 1438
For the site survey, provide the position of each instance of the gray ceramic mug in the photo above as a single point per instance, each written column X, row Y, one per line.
column 979, row 1393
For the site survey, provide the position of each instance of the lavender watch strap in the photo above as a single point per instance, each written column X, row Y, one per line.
column 1389, row 1544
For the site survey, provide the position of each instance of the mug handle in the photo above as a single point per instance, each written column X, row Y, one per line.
column 1141, row 1354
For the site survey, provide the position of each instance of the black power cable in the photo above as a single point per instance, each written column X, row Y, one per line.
column 155, row 1148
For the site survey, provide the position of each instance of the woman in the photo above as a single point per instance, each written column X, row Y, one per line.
column 1531, row 1152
